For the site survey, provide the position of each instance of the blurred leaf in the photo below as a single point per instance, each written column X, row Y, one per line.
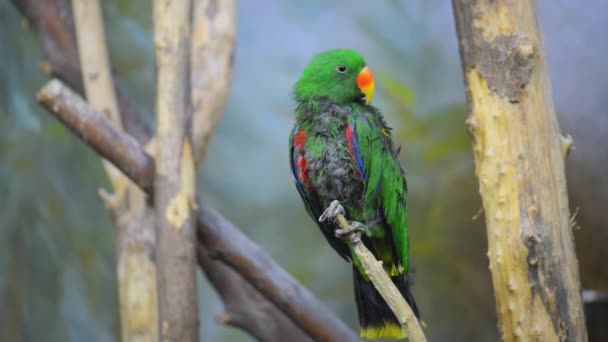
column 451, row 116
column 397, row 89
column 458, row 142
column 54, row 132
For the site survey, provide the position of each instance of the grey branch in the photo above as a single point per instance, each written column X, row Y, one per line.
column 54, row 27
column 175, row 182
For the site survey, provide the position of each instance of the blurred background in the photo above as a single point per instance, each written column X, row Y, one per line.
column 57, row 275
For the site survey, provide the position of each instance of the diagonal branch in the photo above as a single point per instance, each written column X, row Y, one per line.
column 244, row 306
column 52, row 22
column 222, row 240
column 384, row 284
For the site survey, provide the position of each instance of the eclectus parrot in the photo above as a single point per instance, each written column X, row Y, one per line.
column 341, row 149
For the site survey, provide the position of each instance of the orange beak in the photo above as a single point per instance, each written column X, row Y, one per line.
column 365, row 82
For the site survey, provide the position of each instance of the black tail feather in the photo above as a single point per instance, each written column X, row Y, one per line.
column 374, row 313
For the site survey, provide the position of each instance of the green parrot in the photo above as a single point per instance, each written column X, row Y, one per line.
column 342, row 150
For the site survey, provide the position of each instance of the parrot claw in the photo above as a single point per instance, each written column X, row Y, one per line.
column 352, row 232
column 334, row 209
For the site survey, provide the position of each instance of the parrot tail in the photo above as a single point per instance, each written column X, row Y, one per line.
column 375, row 317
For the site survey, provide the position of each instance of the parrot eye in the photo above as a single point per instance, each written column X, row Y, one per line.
column 341, row 69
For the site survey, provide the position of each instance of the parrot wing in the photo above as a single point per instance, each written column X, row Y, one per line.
column 385, row 193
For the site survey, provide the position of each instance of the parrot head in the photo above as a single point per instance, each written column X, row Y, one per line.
column 340, row 75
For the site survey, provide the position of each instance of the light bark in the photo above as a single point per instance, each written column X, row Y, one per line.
column 136, row 269
column 175, row 184
column 385, row 286
column 519, row 159
column 211, row 60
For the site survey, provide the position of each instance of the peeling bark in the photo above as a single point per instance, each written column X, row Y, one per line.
column 519, row 160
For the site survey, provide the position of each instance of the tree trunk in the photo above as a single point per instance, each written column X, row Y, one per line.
column 519, row 157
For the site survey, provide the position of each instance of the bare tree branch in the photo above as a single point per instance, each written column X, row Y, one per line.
column 226, row 243
column 97, row 80
column 97, row 132
column 136, row 270
column 211, row 58
column 519, row 160
column 244, row 307
column 52, row 22
column 383, row 283
column 175, row 183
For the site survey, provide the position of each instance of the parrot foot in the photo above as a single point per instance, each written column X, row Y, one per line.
column 332, row 212
column 352, row 232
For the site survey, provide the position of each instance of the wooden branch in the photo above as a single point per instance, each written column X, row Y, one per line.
column 97, row 79
column 224, row 242
column 520, row 165
column 385, row 286
column 52, row 22
column 94, row 60
column 211, row 58
column 175, row 184
column 244, row 307
column 96, row 131
column 136, row 269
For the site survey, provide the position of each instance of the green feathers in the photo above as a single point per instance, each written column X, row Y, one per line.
column 331, row 75
column 385, row 186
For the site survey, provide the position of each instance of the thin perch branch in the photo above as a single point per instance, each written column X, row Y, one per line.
column 223, row 241
column 384, row 285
